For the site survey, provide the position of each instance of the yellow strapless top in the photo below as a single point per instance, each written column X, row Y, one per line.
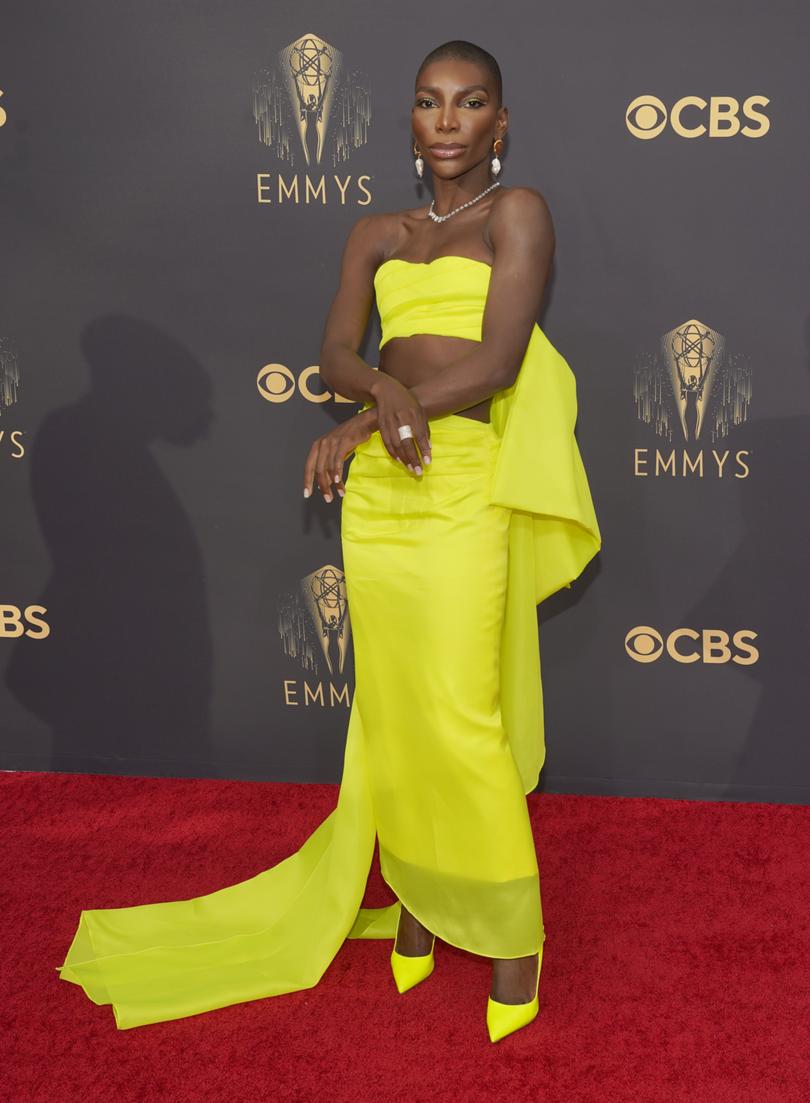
column 539, row 473
column 414, row 297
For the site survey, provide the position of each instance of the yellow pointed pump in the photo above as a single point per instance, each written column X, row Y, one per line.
column 410, row 970
column 505, row 1018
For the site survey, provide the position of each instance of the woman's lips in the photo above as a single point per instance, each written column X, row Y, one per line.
column 446, row 153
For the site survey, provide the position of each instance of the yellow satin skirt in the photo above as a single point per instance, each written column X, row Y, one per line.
column 426, row 562
column 428, row 769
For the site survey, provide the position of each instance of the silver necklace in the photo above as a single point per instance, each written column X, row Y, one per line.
column 469, row 203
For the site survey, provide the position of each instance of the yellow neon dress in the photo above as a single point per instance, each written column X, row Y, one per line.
column 445, row 735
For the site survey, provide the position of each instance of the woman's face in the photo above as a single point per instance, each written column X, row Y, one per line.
column 455, row 107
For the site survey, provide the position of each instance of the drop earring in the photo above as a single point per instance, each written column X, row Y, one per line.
column 495, row 165
column 420, row 164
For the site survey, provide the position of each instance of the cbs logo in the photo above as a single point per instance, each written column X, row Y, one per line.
column 276, row 383
column 685, row 645
column 13, row 622
column 719, row 117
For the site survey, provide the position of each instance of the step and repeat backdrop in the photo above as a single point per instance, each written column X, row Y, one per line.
column 178, row 180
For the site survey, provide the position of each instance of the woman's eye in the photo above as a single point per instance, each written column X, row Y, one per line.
column 467, row 103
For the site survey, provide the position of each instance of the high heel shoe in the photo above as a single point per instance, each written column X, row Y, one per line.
column 505, row 1018
column 410, row 970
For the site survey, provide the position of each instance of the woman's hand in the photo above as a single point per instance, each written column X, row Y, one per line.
column 328, row 453
column 395, row 406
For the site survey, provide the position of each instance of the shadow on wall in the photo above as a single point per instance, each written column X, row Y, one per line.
column 125, row 674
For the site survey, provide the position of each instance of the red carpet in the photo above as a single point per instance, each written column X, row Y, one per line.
column 675, row 966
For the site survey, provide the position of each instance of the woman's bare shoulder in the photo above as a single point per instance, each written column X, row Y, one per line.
column 521, row 199
column 519, row 206
column 385, row 232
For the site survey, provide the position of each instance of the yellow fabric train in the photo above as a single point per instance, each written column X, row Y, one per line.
column 278, row 931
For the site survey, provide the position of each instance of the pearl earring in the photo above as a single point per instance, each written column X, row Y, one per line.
column 420, row 164
column 495, row 165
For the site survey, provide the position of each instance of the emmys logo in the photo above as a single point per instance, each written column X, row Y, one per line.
column 693, row 117
column 13, row 622
column 694, row 389
column 711, row 645
column 309, row 106
column 314, row 626
column 11, row 443
column 277, row 383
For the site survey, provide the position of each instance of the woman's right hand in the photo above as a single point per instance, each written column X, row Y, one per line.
column 397, row 406
column 328, row 454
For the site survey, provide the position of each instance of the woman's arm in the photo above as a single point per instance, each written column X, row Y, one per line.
column 521, row 233
column 342, row 369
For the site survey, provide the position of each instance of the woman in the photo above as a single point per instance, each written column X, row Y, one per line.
column 466, row 505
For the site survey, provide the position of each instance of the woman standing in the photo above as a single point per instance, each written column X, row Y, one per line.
column 466, row 504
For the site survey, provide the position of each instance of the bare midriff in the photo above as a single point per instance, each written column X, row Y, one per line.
column 412, row 360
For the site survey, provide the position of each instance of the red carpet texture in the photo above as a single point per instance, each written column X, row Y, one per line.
column 675, row 965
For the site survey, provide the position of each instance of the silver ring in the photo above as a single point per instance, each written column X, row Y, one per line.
column 404, row 431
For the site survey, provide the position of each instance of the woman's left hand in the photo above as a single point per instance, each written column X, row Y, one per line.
column 328, row 453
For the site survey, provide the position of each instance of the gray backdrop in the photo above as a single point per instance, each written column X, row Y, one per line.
column 171, row 233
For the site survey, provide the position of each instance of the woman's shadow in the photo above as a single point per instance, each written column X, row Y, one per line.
column 124, row 676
